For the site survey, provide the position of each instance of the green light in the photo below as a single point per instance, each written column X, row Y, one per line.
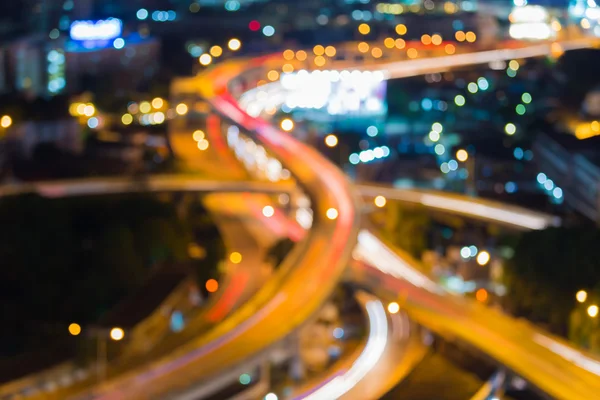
column 511, row 72
column 520, row 109
column 439, row 149
column 526, row 97
column 245, row 379
column 472, row 87
column 459, row 100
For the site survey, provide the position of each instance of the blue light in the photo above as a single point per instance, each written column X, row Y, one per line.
column 93, row 122
column 474, row 250
column 354, row 159
column 426, row 104
column 541, row 178
column 453, row 165
column 142, row 14
column 338, row 333
column 444, row 168
column 171, row 15
column 439, row 149
column 549, row 185
column 245, row 379
column 386, row 151
column 156, row 16
column 177, row 322
column 510, row 187
column 196, row 51
column 372, row 131
column 357, row 15
column 119, row 43
column 268, row 30
column 518, row 153
column 232, row 5
column 557, row 193
column 483, row 83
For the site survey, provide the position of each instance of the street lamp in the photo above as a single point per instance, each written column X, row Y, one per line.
column 592, row 310
column 581, row 296
column 117, row 334
column 483, row 258
column 331, row 140
column 380, row 201
column 393, row 308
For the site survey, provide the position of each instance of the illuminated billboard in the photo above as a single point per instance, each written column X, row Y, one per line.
column 96, row 30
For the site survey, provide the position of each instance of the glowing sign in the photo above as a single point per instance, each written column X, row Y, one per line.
column 99, row 30
column 529, row 14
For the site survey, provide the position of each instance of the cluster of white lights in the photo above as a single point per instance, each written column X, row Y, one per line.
column 56, row 71
column 255, row 157
column 366, row 156
column 156, row 118
column 99, row 30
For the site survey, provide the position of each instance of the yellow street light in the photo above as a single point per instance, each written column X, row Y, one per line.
column 364, row 29
column 5, row 121
column 198, row 135
column 287, row 124
column 380, row 201
column 332, row 214
column 205, row 59
column 117, row 334
column 331, row 140
column 203, row 144
column 401, row 29
column 74, row 329
column 234, row 44
column 268, row 211
column 216, row 51
column 235, row 257
column 288, row 54
column 127, row 119
column 145, row 107
column 483, row 258
column 393, row 308
column 462, row 155
column 319, row 50
column 581, row 296
column 157, row 103
column 181, row 109
column 592, row 310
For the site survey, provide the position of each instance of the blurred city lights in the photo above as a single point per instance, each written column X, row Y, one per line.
column 462, row 155
column 216, row 51
column 434, row 136
column 481, row 295
column 234, row 44
column 235, row 257
column 271, row 396
column 198, row 135
column 483, row 258
column 393, row 308
column 510, row 129
column 380, row 201
column 145, row 107
column 205, row 59
column 119, row 43
column 211, row 285
column 520, row 109
column 268, row 211
column 74, row 329
column 439, row 149
column 401, row 29
column 5, row 121
column 332, row 214
column 203, row 144
column 245, row 379
column 127, row 119
column 117, row 334
column 465, row 252
column 592, row 310
column 268, row 31
column 181, row 109
column 157, row 103
column 526, row 98
column 331, row 140
column 581, row 296
column 287, row 124
column 459, row 100
column 364, row 29
column 372, row 131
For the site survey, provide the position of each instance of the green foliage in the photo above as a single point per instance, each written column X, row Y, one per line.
column 547, row 269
